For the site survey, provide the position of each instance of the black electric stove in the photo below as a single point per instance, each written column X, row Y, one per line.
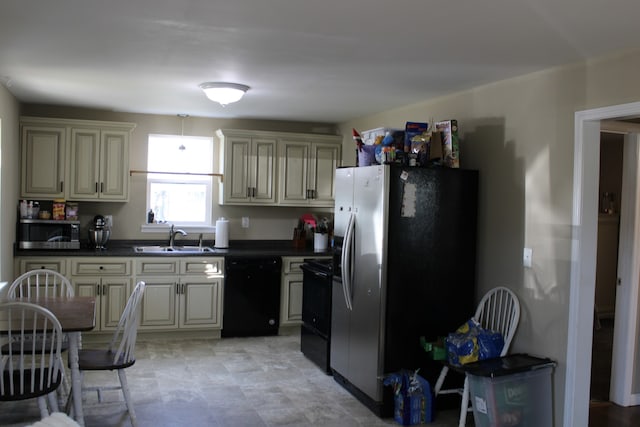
column 315, row 332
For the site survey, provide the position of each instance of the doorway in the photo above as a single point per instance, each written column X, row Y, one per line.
column 610, row 186
column 583, row 258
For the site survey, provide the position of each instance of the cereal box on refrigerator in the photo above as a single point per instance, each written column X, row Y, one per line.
column 450, row 142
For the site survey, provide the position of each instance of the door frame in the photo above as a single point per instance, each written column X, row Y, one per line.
column 587, row 126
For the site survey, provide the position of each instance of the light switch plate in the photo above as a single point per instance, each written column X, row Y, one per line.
column 527, row 256
column 245, row 222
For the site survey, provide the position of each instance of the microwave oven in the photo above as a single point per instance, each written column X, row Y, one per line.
column 48, row 234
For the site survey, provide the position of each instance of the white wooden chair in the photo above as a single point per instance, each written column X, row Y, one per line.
column 40, row 283
column 28, row 370
column 120, row 353
column 498, row 311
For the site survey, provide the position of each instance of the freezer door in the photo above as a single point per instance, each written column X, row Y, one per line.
column 367, row 320
column 340, row 314
column 344, row 200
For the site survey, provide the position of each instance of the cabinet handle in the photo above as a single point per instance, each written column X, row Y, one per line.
column 104, row 289
column 62, row 186
column 102, row 187
column 253, row 191
column 96, row 187
column 248, row 191
column 178, row 288
column 182, row 289
column 98, row 291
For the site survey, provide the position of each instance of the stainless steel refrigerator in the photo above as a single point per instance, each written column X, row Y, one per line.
column 404, row 267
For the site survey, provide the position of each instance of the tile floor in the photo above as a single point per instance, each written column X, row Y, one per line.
column 263, row 381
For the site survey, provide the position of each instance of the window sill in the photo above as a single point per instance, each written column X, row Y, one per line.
column 164, row 228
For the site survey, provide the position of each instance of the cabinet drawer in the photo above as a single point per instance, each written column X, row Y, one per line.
column 197, row 265
column 292, row 265
column 105, row 267
column 37, row 264
column 156, row 266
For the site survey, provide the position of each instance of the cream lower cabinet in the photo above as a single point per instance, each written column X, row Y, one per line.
column 106, row 279
column 181, row 293
column 291, row 292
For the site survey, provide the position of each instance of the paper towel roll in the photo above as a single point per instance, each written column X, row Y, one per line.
column 222, row 233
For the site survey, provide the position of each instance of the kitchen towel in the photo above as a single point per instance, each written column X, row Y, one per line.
column 222, row 233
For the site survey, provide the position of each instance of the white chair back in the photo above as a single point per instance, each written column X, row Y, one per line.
column 499, row 311
column 127, row 330
column 40, row 283
column 29, row 370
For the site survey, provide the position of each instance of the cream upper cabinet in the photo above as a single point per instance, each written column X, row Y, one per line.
column 43, row 151
column 307, row 171
column 278, row 168
column 248, row 162
column 99, row 164
column 75, row 159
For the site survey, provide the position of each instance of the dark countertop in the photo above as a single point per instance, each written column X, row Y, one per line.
column 124, row 248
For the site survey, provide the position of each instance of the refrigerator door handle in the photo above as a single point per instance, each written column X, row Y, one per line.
column 347, row 262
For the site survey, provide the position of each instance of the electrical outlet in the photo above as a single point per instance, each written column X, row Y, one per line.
column 245, row 222
column 527, row 256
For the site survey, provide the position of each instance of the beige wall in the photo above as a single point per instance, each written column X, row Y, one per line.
column 9, row 180
column 519, row 134
column 265, row 223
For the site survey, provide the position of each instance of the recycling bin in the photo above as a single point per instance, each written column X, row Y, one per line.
column 511, row 391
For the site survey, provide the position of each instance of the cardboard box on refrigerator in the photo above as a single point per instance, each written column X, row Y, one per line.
column 448, row 130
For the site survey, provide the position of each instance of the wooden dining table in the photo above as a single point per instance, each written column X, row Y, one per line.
column 76, row 315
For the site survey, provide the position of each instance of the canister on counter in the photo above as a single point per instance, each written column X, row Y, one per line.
column 58, row 209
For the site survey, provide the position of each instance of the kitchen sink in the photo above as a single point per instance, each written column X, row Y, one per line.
column 173, row 249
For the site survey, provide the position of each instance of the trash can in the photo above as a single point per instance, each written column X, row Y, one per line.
column 511, row 391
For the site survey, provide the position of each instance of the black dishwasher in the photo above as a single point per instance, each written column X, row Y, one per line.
column 251, row 296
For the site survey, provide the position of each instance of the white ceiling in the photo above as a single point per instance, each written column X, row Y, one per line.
column 327, row 61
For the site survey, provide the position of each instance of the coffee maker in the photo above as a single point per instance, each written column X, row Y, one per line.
column 99, row 233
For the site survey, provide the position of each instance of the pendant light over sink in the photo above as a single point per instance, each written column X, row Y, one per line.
column 224, row 93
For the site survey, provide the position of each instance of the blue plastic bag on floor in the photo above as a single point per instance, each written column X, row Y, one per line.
column 413, row 401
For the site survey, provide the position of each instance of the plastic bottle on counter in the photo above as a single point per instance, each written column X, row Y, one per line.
column 150, row 216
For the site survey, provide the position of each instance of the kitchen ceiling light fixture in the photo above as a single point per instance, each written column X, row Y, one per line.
column 223, row 93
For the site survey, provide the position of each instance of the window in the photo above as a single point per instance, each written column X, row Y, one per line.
column 183, row 194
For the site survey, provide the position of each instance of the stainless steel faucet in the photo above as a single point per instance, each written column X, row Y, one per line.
column 172, row 235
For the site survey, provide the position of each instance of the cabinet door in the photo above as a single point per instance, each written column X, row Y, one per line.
column 236, row 170
column 200, row 303
column 159, row 304
column 99, row 164
column 263, row 170
column 43, row 162
column 293, row 173
column 115, row 294
column 114, row 165
column 325, row 158
column 85, row 160
column 249, row 170
column 291, row 305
